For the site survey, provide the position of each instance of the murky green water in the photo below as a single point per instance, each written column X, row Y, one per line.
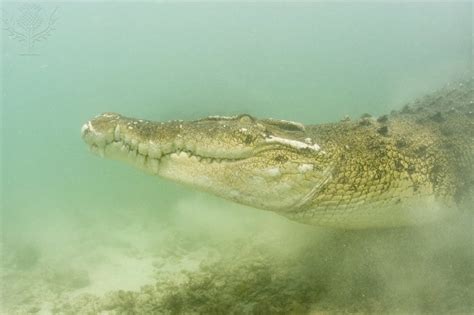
column 85, row 235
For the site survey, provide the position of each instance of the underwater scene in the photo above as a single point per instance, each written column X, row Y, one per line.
column 258, row 157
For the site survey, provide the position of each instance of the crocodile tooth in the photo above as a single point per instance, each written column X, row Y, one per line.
column 132, row 155
column 154, row 151
column 101, row 151
column 140, row 160
column 143, row 148
column 178, row 143
column 183, row 154
column 112, row 148
column 117, row 133
column 124, row 148
column 167, row 148
column 153, row 165
column 190, row 147
column 125, row 139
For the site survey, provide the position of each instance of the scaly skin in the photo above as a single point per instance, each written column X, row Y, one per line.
column 409, row 167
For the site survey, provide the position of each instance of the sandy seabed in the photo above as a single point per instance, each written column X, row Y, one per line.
column 224, row 265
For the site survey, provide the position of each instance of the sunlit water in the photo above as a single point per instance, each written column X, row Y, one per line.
column 85, row 235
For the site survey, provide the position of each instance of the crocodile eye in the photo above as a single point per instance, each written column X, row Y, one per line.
column 285, row 125
column 245, row 118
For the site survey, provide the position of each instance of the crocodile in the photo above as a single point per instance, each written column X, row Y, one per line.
column 409, row 167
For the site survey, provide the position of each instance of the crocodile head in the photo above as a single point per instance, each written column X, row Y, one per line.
column 265, row 163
